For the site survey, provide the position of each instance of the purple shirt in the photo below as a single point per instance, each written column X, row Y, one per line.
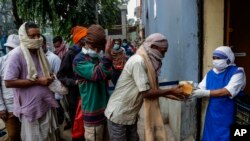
column 31, row 102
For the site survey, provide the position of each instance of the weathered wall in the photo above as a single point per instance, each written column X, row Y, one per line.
column 178, row 21
column 213, row 37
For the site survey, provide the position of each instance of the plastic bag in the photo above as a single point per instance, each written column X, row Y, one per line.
column 57, row 87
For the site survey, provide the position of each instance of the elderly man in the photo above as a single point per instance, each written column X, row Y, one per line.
column 12, row 123
column 222, row 84
column 137, row 81
column 28, row 73
column 93, row 69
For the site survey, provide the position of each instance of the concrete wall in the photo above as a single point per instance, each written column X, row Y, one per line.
column 124, row 20
column 213, row 30
column 213, row 37
column 123, row 25
column 178, row 21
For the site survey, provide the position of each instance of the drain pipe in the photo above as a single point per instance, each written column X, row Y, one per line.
column 200, row 5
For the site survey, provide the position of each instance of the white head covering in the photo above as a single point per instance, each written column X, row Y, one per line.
column 156, row 56
column 225, row 52
column 26, row 41
column 12, row 41
column 158, row 40
column 27, row 44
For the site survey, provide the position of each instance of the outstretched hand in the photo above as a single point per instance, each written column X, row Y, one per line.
column 109, row 45
column 177, row 94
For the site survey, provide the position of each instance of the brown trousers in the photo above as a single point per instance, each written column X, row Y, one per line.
column 13, row 127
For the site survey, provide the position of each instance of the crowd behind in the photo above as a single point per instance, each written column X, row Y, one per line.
column 31, row 110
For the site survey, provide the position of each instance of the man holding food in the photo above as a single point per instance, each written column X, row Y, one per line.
column 138, row 83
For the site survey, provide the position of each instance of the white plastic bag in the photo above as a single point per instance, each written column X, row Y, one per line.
column 57, row 87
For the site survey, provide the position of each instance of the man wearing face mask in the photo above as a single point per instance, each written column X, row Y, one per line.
column 138, row 83
column 28, row 74
column 128, row 48
column 93, row 69
column 66, row 74
column 119, row 59
column 222, row 84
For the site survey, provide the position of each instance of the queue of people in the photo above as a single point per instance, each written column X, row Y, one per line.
column 31, row 111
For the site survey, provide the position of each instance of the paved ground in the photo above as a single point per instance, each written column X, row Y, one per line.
column 66, row 134
column 140, row 128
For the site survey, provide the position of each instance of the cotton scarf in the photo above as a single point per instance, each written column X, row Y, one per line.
column 60, row 51
column 27, row 44
column 119, row 59
column 155, row 56
column 154, row 125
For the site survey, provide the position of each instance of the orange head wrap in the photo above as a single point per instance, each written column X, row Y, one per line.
column 78, row 32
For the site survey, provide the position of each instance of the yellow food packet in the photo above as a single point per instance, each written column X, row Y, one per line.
column 187, row 87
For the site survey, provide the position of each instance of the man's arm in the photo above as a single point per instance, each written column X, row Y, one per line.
column 172, row 93
column 91, row 71
column 24, row 83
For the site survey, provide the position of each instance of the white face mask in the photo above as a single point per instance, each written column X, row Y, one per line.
column 116, row 47
column 220, row 64
column 92, row 53
column 100, row 54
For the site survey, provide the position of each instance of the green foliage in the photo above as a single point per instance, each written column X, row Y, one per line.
column 62, row 15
